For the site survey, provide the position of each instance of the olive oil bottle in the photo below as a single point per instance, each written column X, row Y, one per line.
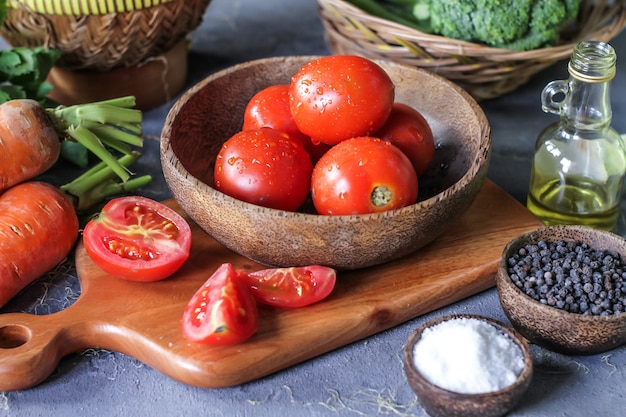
column 579, row 162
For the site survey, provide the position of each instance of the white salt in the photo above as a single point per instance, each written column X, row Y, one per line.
column 468, row 355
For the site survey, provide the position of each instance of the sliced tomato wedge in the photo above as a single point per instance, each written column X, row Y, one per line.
column 222, row 311
column 291, row 287
column 138, row 239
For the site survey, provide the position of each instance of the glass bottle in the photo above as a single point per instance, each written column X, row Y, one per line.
column 579, row 162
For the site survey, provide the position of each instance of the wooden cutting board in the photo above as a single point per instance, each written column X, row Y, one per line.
column 143, row 319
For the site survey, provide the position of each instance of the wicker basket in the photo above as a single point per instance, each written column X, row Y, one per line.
column 99, row 35
column 483, row 71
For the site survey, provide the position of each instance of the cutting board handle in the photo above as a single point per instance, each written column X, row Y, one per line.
column 31, row 346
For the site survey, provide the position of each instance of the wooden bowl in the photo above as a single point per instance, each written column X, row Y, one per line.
column 212, row 111
column 551, row 327
column 440, row 402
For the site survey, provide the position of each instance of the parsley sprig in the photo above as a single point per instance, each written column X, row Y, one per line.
column 23, row 73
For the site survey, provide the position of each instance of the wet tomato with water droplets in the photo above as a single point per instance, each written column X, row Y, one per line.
column 363, row 175
column 409, row 130
column 338, row 97
column 138, row 239
column 270, row 108
column 266, row 167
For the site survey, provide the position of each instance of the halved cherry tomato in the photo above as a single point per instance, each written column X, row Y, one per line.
column 408, row 130
column 222, row 311
column 138, row 239
column 270, row 108
column 363, row 175
column 266, row 167
column 337, row 97
column 291, row 287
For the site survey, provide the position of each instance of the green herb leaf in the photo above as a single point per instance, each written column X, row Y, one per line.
column 75, row 153
column 26, row 70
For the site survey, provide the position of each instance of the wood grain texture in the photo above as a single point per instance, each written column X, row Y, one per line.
column 143, row 319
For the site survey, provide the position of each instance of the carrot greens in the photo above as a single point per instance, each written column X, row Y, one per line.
column 99, row 182
column 100, row 126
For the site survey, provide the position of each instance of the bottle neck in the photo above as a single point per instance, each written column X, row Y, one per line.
column 588, row 105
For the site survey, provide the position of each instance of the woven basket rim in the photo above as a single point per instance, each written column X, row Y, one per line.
column 85, row 7
column 466, row 48
column 484, row 71
column 106, row 41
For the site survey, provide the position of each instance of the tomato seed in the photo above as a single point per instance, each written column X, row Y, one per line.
column 127, row 250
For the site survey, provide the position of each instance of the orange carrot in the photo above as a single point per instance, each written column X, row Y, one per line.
column 38, row 229
column 29, row 144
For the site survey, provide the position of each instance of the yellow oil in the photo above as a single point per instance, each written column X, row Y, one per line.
column 576, row 202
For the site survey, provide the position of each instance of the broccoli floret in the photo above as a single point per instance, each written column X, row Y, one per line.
column 512, row 24
column 493, row 22
column 547, row 18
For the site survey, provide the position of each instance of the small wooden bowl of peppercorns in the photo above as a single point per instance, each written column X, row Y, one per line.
column 564, row 288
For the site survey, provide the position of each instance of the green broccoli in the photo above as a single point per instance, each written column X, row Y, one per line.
column 511, row 24
column 494, row 22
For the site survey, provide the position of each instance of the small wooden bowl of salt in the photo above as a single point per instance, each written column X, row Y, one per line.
column 467, row 365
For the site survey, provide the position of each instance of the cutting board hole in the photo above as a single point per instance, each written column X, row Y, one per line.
column 13, row 336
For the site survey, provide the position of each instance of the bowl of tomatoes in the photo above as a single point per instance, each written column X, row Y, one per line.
column 334, row 191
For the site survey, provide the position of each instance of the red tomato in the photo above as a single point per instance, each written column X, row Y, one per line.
column 222, row 311
column 363, row 175
column 138, row 239
column 291, row 287
column 408, row 130
column 265, row 167
column 270, row 108
column 338, row 97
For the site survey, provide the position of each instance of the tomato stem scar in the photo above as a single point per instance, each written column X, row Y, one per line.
column 381, row 196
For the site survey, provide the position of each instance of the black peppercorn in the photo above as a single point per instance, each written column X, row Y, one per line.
column 571, row 276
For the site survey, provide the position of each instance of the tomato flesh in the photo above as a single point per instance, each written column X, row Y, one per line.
column 338, row 97
column 222, row 311
column 138, row 239
column 408, row 130
column 363, row 175
column 291, row 287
